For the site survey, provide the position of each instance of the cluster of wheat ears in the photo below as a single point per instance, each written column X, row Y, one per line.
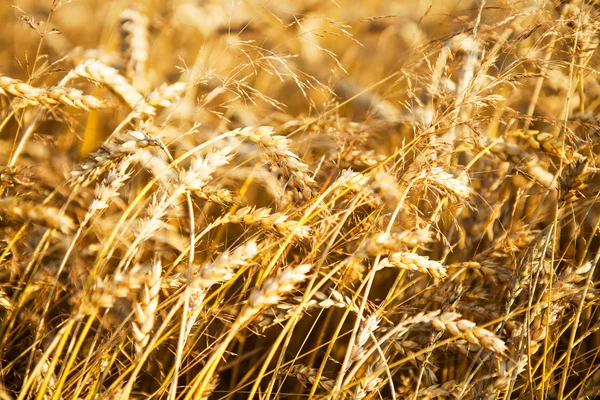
column 320, row 199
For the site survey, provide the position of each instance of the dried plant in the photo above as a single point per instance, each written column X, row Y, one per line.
column 328, row 200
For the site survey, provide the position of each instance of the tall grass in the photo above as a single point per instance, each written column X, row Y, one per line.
column 333, row 200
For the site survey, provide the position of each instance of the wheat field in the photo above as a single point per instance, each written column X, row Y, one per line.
column 332, row 199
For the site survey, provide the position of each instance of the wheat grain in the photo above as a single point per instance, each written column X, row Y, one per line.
column 307, row 376
column 37, row 213
column 415, row 262
column 101, row 73
column 133, row 26
column 271, row 291
column 50, row 96
column 452, row 323
column 277, row 150
column 276, row 222
column 145, row 308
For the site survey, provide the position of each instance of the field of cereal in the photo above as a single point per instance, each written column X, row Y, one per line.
column 335, row 199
